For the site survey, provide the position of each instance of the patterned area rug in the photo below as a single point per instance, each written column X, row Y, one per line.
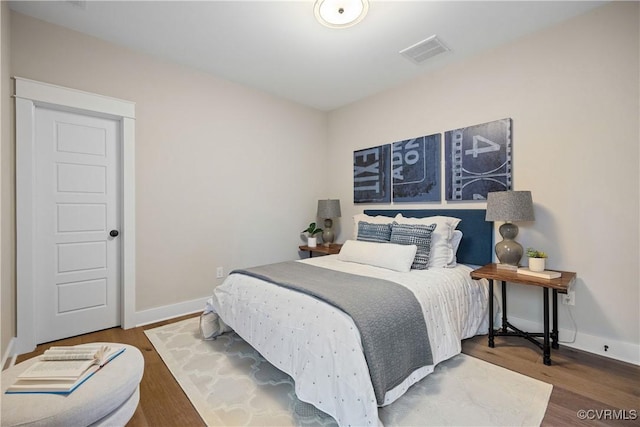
column 231, row 384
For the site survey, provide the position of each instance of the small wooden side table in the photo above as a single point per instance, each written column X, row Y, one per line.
column 332, row 249
column 558, row 285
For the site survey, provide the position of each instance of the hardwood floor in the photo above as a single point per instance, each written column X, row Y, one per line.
column 581, row 381
column 162, row 401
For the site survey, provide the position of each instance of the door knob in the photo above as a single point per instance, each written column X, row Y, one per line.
column 114, row 233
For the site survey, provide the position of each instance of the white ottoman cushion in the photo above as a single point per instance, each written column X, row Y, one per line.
column 123, row 414
column 110, row 392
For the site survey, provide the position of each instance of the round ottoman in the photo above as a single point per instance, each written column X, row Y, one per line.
column 108, row 398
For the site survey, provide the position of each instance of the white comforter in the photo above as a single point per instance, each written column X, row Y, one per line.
column 319, row 346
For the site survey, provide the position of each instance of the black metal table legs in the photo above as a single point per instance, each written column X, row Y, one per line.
column 549, row 338
column 554, row 331
column 546, row 349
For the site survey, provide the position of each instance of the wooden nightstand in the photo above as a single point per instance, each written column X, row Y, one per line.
column 334, row 248
column 558, row 285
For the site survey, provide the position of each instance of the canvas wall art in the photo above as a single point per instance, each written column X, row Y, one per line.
column 372, row 175
column 478, row 160
column 416, row 169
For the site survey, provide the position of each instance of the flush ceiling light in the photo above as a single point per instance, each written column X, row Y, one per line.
column 340, row 13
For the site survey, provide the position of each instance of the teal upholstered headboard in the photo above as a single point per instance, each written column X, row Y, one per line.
column 476, row 247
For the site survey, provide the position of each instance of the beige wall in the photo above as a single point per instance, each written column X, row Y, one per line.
column 7, row 182
column 572, row 92
column 221, row 170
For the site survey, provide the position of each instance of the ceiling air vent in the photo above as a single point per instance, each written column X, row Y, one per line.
column 425, row 49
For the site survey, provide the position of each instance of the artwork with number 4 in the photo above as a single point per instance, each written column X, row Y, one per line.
column 478, row 160
column 372, row 175
column 416, row 169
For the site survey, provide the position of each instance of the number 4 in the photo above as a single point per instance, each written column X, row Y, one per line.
column 491, row 146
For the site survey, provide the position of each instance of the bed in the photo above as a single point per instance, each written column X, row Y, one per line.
column 333, row 364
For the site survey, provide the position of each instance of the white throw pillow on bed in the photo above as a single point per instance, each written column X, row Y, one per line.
column 442, row 254
column 385, row 255
column 455, row 243
column 378, row 219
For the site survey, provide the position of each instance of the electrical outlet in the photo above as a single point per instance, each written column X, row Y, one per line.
column 569, row 298
column 219, row 273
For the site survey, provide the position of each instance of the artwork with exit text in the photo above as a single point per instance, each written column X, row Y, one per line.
column 478, row 160
column 416, row 169
column 372, row 175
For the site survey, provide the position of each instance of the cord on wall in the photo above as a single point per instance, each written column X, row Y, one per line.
column 575, row 328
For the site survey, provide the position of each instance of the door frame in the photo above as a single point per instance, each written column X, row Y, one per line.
column 30, row 94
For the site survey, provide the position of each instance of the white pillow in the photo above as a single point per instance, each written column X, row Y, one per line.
column 379, row 219
column 455, row 243
column 385, row 255
column 442, row 254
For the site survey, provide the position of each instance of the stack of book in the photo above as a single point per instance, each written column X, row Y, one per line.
column 61, row 370
column 545, row 274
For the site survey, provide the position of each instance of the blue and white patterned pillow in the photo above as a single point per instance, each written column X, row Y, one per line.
column 419, row 235
column 369, row 232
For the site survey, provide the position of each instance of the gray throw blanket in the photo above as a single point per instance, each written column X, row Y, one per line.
column 388, row 316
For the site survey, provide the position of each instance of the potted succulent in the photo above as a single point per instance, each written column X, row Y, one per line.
column 536, row 259
column 311, row 231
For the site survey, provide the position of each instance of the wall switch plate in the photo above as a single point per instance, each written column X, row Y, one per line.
column 219, row 273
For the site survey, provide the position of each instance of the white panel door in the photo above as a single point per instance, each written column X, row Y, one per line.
column 77, row 288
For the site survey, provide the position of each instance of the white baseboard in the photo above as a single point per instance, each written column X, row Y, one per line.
column 142, row 318
column 8, row 353
column 619, row 350
column 166, row 312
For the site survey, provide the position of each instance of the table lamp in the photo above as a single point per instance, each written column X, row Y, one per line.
column 328, row 209
column 509, row 206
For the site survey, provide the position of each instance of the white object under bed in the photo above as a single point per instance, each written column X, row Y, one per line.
column 319, row 346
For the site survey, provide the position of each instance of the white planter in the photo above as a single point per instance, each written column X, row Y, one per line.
column 312, row 242
column 536, row 264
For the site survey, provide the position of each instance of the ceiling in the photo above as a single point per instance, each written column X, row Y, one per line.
column 279, row 47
